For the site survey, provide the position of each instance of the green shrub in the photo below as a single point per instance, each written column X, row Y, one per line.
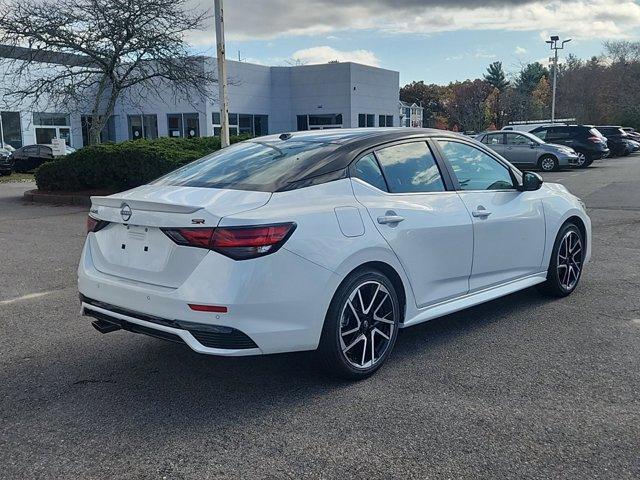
column 120, row 166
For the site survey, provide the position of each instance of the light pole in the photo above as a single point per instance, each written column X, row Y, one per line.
column 222, row 75
column 553, row 43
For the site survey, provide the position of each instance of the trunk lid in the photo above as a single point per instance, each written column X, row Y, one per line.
column 133, row 246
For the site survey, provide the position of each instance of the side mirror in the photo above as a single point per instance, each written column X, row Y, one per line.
column 530, row 181
column 533, row 144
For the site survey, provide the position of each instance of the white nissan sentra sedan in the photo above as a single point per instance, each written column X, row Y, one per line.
column 329, row 240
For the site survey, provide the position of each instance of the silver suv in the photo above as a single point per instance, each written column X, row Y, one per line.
column 522, row 148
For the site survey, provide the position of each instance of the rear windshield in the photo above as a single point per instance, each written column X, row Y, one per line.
column 251, row 165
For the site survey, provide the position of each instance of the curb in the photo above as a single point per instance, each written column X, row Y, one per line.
column 57, row 198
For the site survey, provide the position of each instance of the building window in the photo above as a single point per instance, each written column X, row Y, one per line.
column 186, row 125
column 320, row 122
column 303, row 122
column 243, row 123
column 52, row 125
column 366, row 120
column 143, row 126
column 10, row 129
column 108, row 133
column 385, row 120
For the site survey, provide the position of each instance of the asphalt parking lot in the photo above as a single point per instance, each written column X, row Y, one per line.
column 521, row 387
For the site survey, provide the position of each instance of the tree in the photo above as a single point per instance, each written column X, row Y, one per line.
column 495, row 77
column 467, row 107
column 110, row 48
column 431, row 97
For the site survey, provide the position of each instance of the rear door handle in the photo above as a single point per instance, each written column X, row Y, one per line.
column 390, row 219
column 481, row 212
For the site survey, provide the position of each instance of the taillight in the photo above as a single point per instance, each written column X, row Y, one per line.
column 190, row 237
column 239, row 243
column 597, row 139
column 95, row 225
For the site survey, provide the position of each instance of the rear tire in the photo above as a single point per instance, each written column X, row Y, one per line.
column 548, row 163
column 567, row 261
column 361, row 326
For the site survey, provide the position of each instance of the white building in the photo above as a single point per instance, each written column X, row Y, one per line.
column 410, row 114
column 262, row 100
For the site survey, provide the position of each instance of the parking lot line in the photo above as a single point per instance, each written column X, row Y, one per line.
column 28, row 296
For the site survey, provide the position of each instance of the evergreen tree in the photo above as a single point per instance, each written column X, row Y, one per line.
column 495, row 76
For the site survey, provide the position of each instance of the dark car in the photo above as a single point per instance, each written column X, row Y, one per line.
column 30, row 157
column 617, row 139
column 6, row 162
column 586, row 140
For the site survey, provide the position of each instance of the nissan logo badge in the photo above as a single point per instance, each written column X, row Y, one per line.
column 125, row 212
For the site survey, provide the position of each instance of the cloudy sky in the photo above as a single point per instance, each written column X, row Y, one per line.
column 435, row 41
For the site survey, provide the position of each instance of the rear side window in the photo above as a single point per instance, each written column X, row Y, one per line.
column 368, row 170
column 410, row 167
column 541, row 134
column 252, row 165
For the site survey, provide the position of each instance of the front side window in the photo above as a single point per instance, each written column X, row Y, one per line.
column 368, row 170
column 410, row 167
column 517, row 139
column 474, row 169
column 495, row 139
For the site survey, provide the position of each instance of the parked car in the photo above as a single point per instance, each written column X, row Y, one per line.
column 635, row 146
column 6, row 162
column 330, row 240
column 586, row 140
column 30, row 157
column 617, row 140
column 631, row 132
column 527, row 150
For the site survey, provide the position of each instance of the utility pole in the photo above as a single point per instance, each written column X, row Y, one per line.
column 223, row 98
column 553, row 43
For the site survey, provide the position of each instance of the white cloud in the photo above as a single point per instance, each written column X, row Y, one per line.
column 326, row 54
column 520, row 51
column 602, row 19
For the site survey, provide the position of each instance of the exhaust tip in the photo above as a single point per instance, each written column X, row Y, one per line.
column 105, row 327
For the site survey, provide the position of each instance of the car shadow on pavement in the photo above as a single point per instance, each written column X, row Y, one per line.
column 142, row 385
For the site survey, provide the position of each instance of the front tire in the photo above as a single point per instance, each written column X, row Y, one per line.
column 361, row 326
column 567, row 260
column 548, row 163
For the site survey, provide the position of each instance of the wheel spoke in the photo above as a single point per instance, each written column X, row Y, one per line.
column 364, row 349
column 354, row 311
column 379, row 332
column 383, row 319
column 348, row 332
column 354, row 343
column 384, row 298
column 373, row 349
column 373, row 299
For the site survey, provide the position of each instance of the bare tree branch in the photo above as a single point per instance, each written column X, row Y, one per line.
column 90, row 53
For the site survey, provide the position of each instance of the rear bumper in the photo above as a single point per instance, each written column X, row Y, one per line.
column 208, row 339
column 267, row 302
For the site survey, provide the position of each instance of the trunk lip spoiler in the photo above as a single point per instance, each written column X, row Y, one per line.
column 143, row 205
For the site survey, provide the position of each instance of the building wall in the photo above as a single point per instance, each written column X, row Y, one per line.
column 282, row 93
column 373, row 91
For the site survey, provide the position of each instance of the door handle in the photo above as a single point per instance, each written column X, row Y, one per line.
column 390, row 219
column 481, row 212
